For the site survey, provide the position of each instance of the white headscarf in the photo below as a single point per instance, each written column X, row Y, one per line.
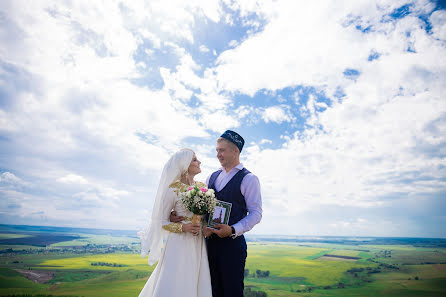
column 152, row 235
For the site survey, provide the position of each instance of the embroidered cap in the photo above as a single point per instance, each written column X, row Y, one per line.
column 235, row 138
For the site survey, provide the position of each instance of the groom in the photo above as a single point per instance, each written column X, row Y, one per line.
column 226, row 247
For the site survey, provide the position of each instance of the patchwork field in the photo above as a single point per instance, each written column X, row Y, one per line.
column 276, row 268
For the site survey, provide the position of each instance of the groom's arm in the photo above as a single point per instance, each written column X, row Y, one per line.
column 250, row 189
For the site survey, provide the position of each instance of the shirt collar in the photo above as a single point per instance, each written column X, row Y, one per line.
column 238, row 167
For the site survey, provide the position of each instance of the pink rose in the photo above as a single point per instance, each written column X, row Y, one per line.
column 204, row 190
column 190, row 188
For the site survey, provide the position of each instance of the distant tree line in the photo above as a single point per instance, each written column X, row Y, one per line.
column 259, row 273
column 250, row 293
column 107, row 264
column 371, row 270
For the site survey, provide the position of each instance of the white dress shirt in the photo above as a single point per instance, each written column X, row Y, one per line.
column 250, row 188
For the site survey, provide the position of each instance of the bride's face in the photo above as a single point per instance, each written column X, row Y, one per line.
column 194, row 167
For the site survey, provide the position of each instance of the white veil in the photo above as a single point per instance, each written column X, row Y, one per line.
column 153, row 234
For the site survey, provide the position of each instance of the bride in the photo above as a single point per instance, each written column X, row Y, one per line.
column 183, row 268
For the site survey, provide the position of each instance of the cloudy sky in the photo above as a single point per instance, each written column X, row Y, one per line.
column 342, row 106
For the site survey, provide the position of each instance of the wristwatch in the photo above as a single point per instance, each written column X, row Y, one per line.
column 233, row 235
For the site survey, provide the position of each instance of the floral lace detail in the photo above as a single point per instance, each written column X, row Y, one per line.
column 200, row 184
column 179, row 186
column 174, row 227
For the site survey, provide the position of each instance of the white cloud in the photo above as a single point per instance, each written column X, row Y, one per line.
column 366, row 149
column 204, row 49
column 74, row 101
column 73, row 179
column 263, row 141
column 306, row 44
column 10, row 179
column 170, row 20
column 219, row 121
column 438, row 20
column 233, row 43
column 276, row 114
column 74, row 113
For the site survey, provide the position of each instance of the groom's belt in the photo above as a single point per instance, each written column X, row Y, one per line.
column 214, row 237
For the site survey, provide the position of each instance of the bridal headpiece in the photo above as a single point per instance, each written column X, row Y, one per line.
column 152, row 235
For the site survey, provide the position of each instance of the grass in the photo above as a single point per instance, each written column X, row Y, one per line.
column 74, row 276
column 417, row 256
column 11, row 235
column 129, row 288
column 318, row 255
column 349, row 253
column 97, row 239
column 292, row 267
column 84, row 262
column 390, row 247
column 7, row 272
column 291, row 262
column 19, row 247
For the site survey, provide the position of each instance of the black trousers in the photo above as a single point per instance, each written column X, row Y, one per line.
column 227, row 258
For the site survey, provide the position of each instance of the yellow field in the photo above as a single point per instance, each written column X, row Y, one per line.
column 133, row 261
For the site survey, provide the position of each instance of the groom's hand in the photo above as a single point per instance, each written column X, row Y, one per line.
column 208, row 232
column 223, row 230
column 174, row 218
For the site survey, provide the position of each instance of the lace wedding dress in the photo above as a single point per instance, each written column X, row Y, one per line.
column 183, row 268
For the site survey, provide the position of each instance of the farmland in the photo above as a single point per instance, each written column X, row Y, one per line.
column 110, row 265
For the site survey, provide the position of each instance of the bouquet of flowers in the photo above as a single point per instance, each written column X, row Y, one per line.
column 199, row 201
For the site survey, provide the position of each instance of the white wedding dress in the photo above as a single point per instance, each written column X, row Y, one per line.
column 183, row 268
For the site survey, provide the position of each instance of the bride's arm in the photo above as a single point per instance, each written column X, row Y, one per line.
column 168, row 205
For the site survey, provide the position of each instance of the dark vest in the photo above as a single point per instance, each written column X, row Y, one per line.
column 231, row 193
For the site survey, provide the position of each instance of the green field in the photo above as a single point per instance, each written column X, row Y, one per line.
column 294, row 270
column 108, row 264
column 9, row 235
column 97, row 239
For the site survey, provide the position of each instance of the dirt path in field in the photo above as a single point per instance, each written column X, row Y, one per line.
column 37, row 276
column 331, row 258
column 439, row 267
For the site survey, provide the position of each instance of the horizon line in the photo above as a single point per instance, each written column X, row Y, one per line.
column 253, row 234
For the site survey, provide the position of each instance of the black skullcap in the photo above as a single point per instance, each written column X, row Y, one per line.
column 235, row 138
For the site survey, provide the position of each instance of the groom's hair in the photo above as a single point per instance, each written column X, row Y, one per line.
column 231, row 144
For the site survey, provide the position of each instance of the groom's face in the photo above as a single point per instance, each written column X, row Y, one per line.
column 226, row 153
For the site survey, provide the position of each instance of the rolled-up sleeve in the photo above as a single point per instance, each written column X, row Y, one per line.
column 250, row 189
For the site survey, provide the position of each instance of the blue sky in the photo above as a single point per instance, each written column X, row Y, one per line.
column 341, row 105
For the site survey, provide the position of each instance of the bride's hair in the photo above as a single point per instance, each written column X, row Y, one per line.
column 152, row 235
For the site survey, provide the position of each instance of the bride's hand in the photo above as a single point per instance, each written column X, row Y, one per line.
column 193, row 229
